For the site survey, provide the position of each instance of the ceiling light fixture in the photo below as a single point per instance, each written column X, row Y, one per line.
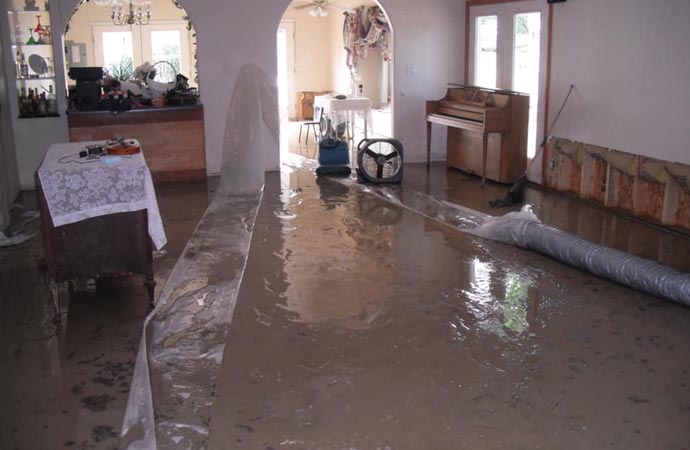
column 318, row 11
column 136, row 14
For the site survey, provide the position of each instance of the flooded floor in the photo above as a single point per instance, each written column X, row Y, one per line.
column 65, row 386
column 362, row 326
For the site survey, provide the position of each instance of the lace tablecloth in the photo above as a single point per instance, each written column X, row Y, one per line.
column 77, row 189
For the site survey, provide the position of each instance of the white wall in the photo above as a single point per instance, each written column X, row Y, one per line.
column 340, row 74
column 9, row 175
column 427, row 35
column 312, row 51
column 630, row 63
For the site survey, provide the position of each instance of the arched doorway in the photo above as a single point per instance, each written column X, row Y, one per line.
column 328, row 48
column 98, row 34
column 123, row 56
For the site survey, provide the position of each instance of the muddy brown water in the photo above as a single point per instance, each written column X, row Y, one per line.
column 363, row 326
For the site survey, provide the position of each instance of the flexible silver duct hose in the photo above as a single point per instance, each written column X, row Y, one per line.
column 524, row 229
column 639, row 273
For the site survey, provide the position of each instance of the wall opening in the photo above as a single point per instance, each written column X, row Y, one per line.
column 167, row 40
column 324, row 49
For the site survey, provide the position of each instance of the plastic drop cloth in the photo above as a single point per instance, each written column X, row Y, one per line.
column 176, row 376
column 253, row 117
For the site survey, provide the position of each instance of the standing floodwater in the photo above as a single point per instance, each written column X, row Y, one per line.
column 360, row 325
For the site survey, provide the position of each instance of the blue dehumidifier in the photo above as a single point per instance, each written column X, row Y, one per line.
column 334, row 157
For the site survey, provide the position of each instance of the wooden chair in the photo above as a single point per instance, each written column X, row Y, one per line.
column 315, row 122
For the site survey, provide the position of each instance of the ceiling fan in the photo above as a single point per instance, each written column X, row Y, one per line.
column 319, row 8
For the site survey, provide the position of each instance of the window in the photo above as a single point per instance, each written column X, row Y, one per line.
column 120, row 50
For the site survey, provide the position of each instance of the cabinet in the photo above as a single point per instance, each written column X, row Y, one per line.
column 31, row 38
column 27, row 137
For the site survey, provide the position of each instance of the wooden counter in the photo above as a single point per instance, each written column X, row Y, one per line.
column 172, row 138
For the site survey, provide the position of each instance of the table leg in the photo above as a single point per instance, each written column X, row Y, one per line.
column 150, row 283
column 366, row 124
column 428, row 143
column 485, row 145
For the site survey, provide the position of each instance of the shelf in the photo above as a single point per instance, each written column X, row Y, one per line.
column 36, row 79
column 35, row 13
column 39, row 117
column 22, row 24
column 31, row 45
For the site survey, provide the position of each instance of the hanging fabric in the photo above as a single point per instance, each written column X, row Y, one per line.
column 364, row 28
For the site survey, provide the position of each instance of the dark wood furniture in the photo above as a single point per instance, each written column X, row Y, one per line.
column 172, row 138
column 113, row 245
column 487, row 131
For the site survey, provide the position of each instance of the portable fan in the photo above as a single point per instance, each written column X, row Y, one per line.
column 380, row 161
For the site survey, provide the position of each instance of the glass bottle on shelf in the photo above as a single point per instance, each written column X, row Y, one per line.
column 22, row 97
column 52, row 108
column 18, row 35
column 41, row 105
column 47, row 35
column 50, row 70
column 23, row 67
column 18, row 66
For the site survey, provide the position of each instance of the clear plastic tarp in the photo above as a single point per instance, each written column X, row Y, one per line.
column 172, row 387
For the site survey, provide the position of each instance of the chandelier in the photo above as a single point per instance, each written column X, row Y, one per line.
column 131, row 13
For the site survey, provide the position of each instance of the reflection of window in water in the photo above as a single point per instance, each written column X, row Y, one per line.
column 515, row 303
column 480, row 280
column 497, row 311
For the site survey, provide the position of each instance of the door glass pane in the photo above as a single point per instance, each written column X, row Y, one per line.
column 118, row 53
column 526, row 39
column 165, row 46
column 486, row 36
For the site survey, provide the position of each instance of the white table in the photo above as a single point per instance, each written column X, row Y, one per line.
column 76, row 188
column 349, row 106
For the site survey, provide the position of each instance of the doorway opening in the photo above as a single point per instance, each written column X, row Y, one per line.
column 324, row 49
column 165, row 39
column 507, row 50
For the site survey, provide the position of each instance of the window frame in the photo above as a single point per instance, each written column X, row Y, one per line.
column 141, row 42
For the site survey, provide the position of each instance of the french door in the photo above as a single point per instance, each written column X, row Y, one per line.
column 507, row 50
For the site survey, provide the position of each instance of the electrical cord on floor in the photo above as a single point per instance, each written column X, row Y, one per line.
column 516, row 193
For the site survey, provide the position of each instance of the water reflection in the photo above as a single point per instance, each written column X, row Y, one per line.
column 337, row 261
column 494, row 302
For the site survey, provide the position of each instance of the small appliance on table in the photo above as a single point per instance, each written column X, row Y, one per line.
column 99, row 212
column 349, row 106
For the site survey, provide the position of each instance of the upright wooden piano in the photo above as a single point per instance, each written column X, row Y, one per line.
column 487, row 131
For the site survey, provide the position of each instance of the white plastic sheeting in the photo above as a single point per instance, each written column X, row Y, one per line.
column 252, row 115
column 176, row 376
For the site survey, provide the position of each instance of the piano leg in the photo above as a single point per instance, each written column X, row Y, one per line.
column 485, row 146
column 428, row 143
